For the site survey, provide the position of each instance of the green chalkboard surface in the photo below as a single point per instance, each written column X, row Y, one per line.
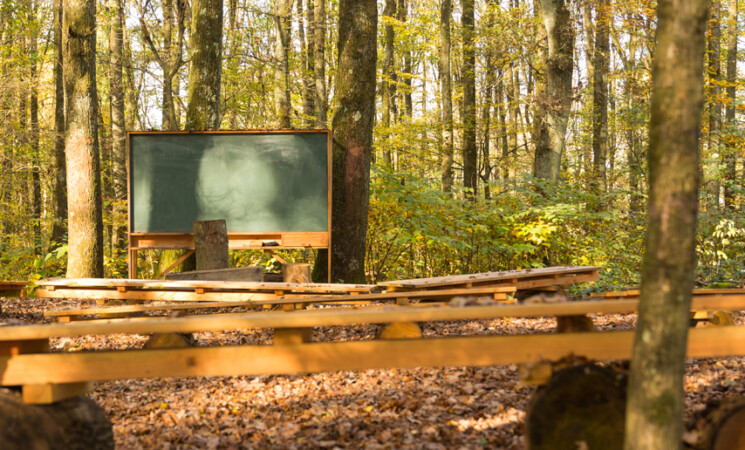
column 257, row 182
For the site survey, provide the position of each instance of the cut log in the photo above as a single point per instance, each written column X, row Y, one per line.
column 581, row 407
column 296, row 273
column 399, row 330
column 170, row 340
column 574, row 324
column 211, row 244
column 75, row 423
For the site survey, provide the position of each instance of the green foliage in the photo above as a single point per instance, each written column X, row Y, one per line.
column 720, row 247
column 415, row 230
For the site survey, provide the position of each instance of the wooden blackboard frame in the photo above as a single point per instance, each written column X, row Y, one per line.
column 236, row 240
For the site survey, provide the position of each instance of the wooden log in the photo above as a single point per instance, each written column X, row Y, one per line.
column 296, row 273
column 723, row 425
column 75, row 423
column 581, row 407
column 399, row 330
column 211, row 244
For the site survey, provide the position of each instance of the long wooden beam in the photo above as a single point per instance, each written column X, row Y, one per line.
column 304, row 358
column 340, row 317
column 69, row 283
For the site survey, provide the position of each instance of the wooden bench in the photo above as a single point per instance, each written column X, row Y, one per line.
column 13, row 288
column 58, row 375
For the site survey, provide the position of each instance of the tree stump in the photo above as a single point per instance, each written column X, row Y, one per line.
column 211, row 244
column 296, row 273
column 75, row 423
column 721, row 425
column 581, row 407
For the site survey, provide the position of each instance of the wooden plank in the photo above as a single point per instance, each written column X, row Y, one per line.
column 72, row 283
column 630, row 293
column 13, row 288
column 144, row 308
column 491, row 276
column 172, row 296
column 342, row 316
column 304, row 358
column 47, row 393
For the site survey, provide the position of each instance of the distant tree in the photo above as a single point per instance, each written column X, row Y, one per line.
column 601, row 67
column 283, row 24
column 446, row 156
column 203, row 111
column 118, row 128
column 730, row 155
column 714, row 81
column 319, row 62
column 654, row 417
column 59, row 177
column 388, row 75
column 354, row 97
column 555, row 103
column 85, row 224
column 470, row 152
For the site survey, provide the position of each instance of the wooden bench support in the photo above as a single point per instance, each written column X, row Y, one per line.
column 291, row 336
column 53, row 392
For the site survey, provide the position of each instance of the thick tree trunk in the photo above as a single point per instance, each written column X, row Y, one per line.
column 118, row 132
column 203, row 112
column 470, row 152
column 353, row 127
column 601, row 67
column 446, row 156
column 730, row 154
column 283, row 25
column 319, row 62
column 558, row 91
column 654, row 417
column 59, row 178
column 85, row 254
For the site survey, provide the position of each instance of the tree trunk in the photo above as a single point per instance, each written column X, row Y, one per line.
column 59, row 178
column 601, row 67
column 403, row 16
column 446, row 157
column 85, row 254
column 283, row 24
column 353, row 127
column 470, row 152
column 306, row 58
column 118, row 132
column 730, row 154
column 557, row 100
column 388, row 78
column 36, row 199
column 203, row 112
column 654, row 417
column 715, row 105
column 319, row 62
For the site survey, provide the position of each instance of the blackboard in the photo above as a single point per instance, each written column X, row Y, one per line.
column 257, row 182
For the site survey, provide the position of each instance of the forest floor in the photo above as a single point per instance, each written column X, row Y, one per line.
column 428, row 408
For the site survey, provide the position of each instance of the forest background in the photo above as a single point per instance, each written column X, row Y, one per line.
column 454, row 187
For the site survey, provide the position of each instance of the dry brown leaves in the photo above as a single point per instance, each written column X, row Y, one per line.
column 427, row 408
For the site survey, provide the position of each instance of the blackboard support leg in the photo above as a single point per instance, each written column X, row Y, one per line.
column 132, row 263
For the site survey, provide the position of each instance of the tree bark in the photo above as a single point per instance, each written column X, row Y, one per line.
column 557, row 100
column 306, row 58
column 283, row 25
column 118, row 131
column 59, row 178
column 730, row 154
column 470, row 152
column 353, row 128
column 654, row 417
column 36, row 199
column 203, row 112
column 85, row 254
column 446, row 156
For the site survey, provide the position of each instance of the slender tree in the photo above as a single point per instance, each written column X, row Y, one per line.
column 601, row 67
column 118, row 131
column 354, row 116
column 715, row 106
column 283, row 24
column 85, row 225
column 654, row 417
column 446, row 156
column 59, row 178
column 555, row 103
column 319, row 62
column 469, row 150
column 388, row 99
column 730, row 154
